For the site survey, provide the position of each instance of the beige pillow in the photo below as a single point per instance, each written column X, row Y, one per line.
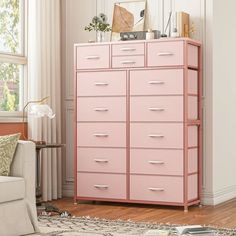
column 8, row 145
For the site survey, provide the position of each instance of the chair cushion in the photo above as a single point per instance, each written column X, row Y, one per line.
column 11, row 188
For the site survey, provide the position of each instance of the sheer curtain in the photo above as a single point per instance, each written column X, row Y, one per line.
column 45, row 80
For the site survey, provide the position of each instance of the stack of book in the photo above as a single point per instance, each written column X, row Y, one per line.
column 180, row 24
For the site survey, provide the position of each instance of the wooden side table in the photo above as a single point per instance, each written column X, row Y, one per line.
column 39, row 169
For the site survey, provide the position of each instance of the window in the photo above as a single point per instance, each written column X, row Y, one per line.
column 12, row 54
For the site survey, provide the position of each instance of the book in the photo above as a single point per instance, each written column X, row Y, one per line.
column 194, row 230
column 181, row 23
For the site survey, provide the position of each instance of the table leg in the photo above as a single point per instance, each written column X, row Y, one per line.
column 38, row 178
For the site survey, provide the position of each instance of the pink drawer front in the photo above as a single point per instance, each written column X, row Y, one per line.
column 128, row 49
column 159, row 108
column 101, row 185
column 101, row 135
column 156, row 135
column 192, row 82
column 156, row 188
column 127, row 61
column 156, row 162
column 192, row 55
column 166, row 53
column 101, row 160
column 92, row 57
column 101, row 83
column 192, row 107
column 156, row 82
column 101, row 109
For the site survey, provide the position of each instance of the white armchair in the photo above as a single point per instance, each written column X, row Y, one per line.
column 18, row 214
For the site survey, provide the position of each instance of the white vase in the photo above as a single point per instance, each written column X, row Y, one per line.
column 100, row 36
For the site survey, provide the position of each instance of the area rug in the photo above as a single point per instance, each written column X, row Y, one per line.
column 86, row 226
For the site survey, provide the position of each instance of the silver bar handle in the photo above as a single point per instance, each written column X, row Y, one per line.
column 101, row 186
column 156, row 136
column 156, row 162
column 101, row 160
column 101, row 84
column 101, row 109
column 128, row 49
column 101, row 135
column 156, row 189
column 156, row 109
column 92, row 57
column 162, row 54
column 153, row 82
column 128, row 62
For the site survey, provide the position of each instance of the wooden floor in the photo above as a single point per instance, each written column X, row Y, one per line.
column 223, row 215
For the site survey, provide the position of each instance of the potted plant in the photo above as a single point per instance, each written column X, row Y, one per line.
column 100, row 25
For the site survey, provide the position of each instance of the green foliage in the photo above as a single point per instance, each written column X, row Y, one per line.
column 10, row 43
column 99, row 23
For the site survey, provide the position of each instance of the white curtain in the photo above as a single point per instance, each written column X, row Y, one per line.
column 45, row 80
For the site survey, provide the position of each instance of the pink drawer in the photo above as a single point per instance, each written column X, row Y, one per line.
column 192, row 107
column 156, row 188
column 101, row 135
column 192, row 136
column 192, row 82
column 192, row 160
column 166, row 53
column 156, row 162
column 101, row 83
column 101, row 160
column 128, row 49
column 101, row 109
column 159, row 108
column 156, row 135
column 92, row 57
column 127, row 61
column 193, row 187
column 156, row 82
column 101, row 185
column 192, row 56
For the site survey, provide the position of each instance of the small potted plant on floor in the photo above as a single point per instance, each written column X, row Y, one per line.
column 100, row 25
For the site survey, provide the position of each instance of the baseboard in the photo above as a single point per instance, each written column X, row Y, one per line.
column 220, row 196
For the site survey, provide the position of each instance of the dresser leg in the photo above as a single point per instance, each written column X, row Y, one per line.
column 75, row 202
column 200, row 205
column 185, row 209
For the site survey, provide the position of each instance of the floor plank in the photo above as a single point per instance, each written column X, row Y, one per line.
column 223, row 215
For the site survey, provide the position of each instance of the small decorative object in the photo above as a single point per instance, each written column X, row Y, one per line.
column 150, row 34
column 139, row 35
column 100, row 25
column 180, row 25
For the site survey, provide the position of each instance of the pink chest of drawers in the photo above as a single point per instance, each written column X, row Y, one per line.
column 139, row 122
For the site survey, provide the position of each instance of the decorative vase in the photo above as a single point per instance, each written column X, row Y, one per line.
column 100, row 36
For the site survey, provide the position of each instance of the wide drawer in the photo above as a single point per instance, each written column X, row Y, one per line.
column 101, row 109
column 156, row 162
column 156, row 82
column 156, row 188
column 101, row 83
column 101, row 160
column 156, row 135
column 128, row 49
column 159, row 108
column 127, row 61
column 165, row 53
column 101, row 135
column 92, row 57
column 108, row 186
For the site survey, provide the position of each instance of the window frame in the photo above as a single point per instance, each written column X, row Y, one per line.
column 20, row 59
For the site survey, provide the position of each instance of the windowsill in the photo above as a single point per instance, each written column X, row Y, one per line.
column 11, row 117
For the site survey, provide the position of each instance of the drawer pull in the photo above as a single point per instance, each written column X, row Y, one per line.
column 128, row 49
column 101, row 135
column 101, row 160
column 92, row 57
column 154, row 82
column 162, row 54
column 156, row 109
column 156, row 136
column 156, row 162
column 101, row 84
column 101, row 109
column 156, row 189
column 101, row 186
column 128, row 62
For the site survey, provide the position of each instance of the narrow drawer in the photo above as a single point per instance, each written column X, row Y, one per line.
column 101, row 160
column 127, row 61
column 101, row 83
column 128, row 49
column 192, row 56
column 92, row 57
column 156, row 162
column 156, row 82
column 192, row 107
column 101, row 135
column 156, row 188
column 101, row 109
column 165, row 54
column 192, row 82
column 156, row 135
column 108, row 186
column 160, row 108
